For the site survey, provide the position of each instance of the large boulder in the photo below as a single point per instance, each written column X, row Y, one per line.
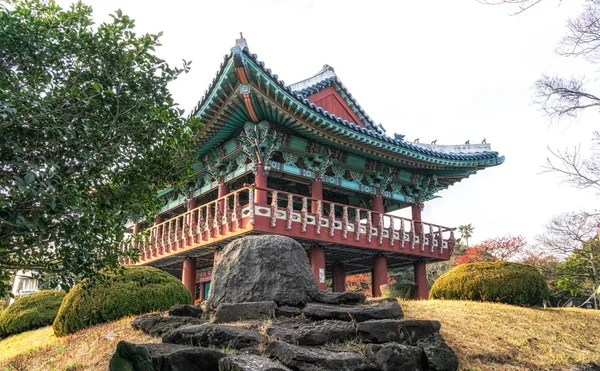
column 214, row 335
column 358, row 313
column 249, row 362
column 305, row 332
column 157, row 325
column 163, row 357
column 346, row 297
column 301, row 358
column 262, row 268
column 404, row 290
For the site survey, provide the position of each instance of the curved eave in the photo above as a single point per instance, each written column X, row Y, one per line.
column 216, row 105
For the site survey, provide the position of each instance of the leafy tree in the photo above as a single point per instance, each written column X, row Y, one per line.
column 495, row 249
column 573, row 236
column 90, row 133
column 466, row 232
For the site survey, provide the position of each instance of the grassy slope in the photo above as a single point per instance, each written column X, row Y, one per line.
column 485, row 337
column 489, row 336
column 89, row 349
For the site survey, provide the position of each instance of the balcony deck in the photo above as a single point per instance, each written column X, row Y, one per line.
column 349, row 234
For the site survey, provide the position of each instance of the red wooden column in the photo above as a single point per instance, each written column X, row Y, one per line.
column 188, row 276
column 421, row 280
column 223, row 189
column 379, row 276
column 338, row 277
column 316, row 192
column 317, row 263
column 377, row 207
column 261, row 182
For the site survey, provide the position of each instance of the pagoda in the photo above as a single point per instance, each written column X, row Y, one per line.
column 305, row 161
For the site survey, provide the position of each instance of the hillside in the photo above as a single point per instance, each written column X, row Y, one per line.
column 485, row 337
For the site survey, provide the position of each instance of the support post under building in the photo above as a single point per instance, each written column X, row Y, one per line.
column 379, row 275
column 188, row 276
column 317, row 263
column 338, row 274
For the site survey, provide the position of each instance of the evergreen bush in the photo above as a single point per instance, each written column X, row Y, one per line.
column 503, row 282
column 30, row 312
column 135, row 290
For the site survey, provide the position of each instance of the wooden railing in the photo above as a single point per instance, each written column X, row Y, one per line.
column 290, row 214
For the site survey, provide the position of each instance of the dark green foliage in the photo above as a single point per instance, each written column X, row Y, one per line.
column 89, row 135
column 135, row 290
column 31, row 311
column 504, row 282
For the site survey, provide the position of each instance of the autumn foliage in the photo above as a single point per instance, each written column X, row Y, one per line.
column 494, row 249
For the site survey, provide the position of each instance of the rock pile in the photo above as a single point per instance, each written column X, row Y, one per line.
column 283, row 328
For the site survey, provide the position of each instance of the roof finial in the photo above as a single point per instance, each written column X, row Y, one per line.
column 241, row 42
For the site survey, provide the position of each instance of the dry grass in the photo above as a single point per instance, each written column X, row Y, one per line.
column 490, row 336
column 90, row 349
column 485, row 336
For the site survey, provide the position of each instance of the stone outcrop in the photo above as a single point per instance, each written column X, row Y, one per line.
column 304, row 358
column 358, row 313
column 399, row 331
column 440, row 357
column 266, row 289
column 164, row 357
column 185, row 310
column 404, row 290
column 157, row 325
column 249, row 363
column 305, row 332
column 231, row 312
column 214, row 335
column 394, row 356
column 262, row 268
column 346, row 297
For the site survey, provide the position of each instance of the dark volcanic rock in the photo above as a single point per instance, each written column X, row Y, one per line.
column 249, row 363
column 185, row 310
column 394, row 356
column 164, row 357
column 262, row 268
column 214, row 335
column 587, row 367
column 231, row 312
column 301, row 358
column 346, row 297
column 357, row 313
column 399, row 331
column 305, row 332
column 287, row 311
column 440, row 357
column 157, row 325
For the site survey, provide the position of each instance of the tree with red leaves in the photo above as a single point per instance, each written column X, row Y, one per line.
column 495, row 249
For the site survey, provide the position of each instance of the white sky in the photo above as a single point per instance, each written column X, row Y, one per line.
column 446, row 70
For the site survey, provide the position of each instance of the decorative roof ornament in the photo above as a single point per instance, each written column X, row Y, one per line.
column 241, row 42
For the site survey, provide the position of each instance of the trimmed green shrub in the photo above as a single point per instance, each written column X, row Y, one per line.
column 30, row 311
column 403, row 290
column 503, row 282
column 137, row 290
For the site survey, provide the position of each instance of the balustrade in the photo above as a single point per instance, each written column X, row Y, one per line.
column 222, row 218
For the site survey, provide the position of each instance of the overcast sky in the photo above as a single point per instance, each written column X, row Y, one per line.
column 445, row 70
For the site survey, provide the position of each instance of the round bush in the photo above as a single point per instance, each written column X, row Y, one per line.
column 503, row 282
column 136, row 290
column 30, row 311
column 403, row 290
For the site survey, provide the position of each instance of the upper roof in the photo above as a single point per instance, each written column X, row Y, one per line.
column 224, row 108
